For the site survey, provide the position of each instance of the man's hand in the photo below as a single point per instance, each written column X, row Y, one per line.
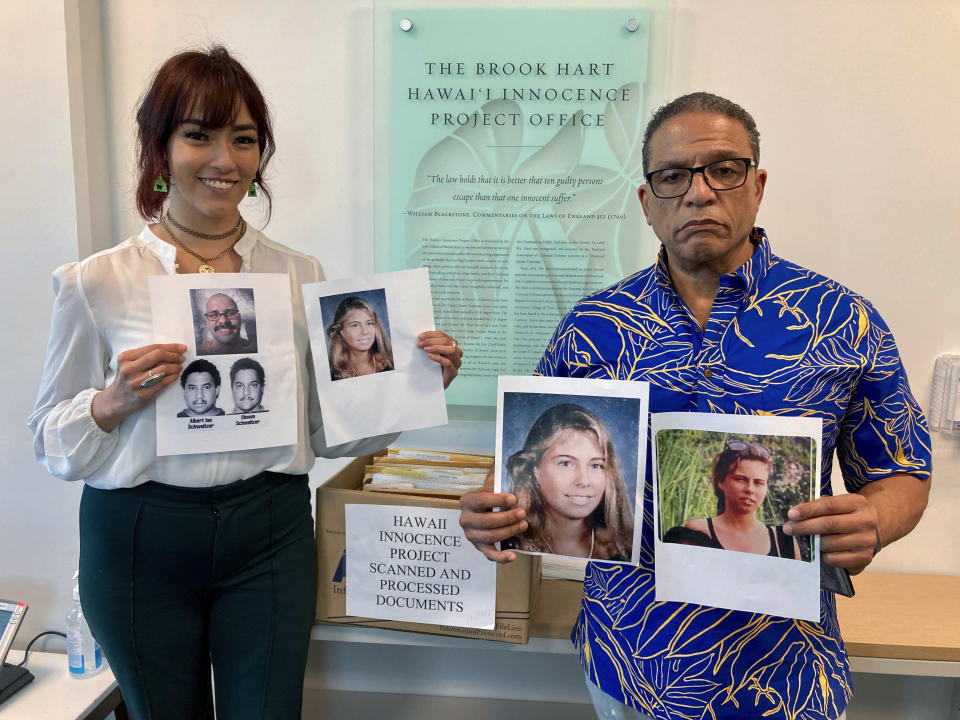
column 484, row 527
column 847, row 526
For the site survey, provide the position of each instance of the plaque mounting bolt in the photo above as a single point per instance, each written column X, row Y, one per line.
column 407, row 24
column 632, row 25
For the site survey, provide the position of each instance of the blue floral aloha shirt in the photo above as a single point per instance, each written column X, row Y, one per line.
column 781, row 340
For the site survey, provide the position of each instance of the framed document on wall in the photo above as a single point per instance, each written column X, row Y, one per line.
column 508, row 156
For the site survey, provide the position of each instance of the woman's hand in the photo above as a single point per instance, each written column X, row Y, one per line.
column 444, row 350
column 126, row 393
column 483, row 526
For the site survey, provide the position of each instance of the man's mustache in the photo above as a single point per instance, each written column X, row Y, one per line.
column 225, row 326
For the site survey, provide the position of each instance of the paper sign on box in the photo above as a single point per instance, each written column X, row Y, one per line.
column 414, row 564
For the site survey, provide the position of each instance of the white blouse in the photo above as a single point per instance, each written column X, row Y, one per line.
column 102, row 308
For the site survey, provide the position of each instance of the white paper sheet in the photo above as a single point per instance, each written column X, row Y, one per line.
column 726, row 578
column 406, row 397
column 621, row 409
column 414, row 564
column 198, row 416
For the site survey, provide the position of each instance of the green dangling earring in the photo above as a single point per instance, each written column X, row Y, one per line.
column 252, row 190
column 160, row 186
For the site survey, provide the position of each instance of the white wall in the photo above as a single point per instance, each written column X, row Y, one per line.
column 857, row 104
column 314, row 63
column 38, row 514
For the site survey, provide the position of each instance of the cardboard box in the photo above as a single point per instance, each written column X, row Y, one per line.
column 517, row 582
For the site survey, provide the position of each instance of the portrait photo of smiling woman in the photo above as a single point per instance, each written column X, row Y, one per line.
column 570, row 476
column 225, row 321
column 732, row 493
column 358, row 334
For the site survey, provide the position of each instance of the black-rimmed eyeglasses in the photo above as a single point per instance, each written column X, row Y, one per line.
column 215, row 315
column 720, row 175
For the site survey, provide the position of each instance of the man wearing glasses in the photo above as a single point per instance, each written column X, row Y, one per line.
column 721, row 324
column 223, row 323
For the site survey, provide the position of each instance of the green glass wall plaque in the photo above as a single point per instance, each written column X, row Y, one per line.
column 508, row 159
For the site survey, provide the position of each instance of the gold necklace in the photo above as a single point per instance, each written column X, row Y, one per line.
column 204, row 236
column 205, row 266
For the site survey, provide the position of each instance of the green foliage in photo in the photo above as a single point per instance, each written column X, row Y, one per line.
column 684, row 461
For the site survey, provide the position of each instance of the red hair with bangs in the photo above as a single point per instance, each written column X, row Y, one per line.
column 193, row 84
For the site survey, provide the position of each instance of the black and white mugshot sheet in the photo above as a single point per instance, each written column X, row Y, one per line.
column 238, row 386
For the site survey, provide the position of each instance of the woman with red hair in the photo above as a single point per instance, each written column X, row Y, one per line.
column 188, row 561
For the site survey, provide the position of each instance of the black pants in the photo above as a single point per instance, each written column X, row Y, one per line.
column 174, row 579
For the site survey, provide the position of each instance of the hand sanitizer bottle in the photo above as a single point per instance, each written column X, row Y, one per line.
column 83, row 652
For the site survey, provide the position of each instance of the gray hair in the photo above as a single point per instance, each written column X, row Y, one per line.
column 701, row 102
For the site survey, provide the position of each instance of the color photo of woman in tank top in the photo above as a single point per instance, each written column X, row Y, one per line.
column 746, row 519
